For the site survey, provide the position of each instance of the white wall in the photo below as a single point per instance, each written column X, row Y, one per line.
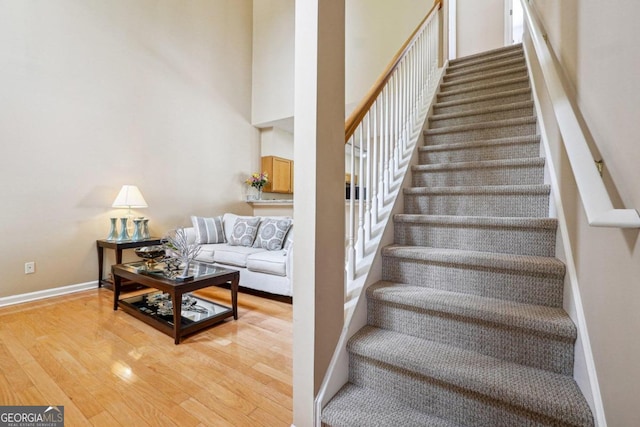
column 375, row 30
column 480, row 26
column 97, row 94
column 276, row 142
column 273, row 45
column 597, row 48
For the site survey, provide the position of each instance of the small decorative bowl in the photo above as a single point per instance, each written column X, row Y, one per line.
column 150, row 254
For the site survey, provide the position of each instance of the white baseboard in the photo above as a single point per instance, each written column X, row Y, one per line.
column 47, row 293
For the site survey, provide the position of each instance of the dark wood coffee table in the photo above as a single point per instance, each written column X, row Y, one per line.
column 176, row 325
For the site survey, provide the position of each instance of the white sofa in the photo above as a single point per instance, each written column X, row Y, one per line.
column 260, row 269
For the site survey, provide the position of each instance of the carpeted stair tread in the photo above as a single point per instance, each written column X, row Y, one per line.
column 480, row 98
column 488, row 142
column 488, row 149
column 522, row 278
column 485, row 57
column 526, row 264
column 534, row 390
column 541, row 319
column 481, row 164
column 482, row 200
column 484, row 125
column 487, row 88
column 482, row 111
column 360, row 406
column 486, row 189
column 470, row 81
column 453, row 74
column 525, row 171
column 539, row 336
column 478, row 221
column 513, row 235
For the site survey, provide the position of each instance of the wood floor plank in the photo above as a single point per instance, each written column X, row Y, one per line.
column 204, row 414
column 7, row 395
column 124, row 415
column 103, row 419
column 54, row 395
column 273, row 373
column 86, row 403
column 266, row 419
column 108, row 368
column 30, row 396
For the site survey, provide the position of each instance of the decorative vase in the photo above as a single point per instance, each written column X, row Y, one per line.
column 124, row 234
column 259, row 193
column 137, row 229
column 113, row 231
column 145, row 228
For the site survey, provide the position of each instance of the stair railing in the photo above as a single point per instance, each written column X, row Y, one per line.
column 595, row 198
column 380, row 136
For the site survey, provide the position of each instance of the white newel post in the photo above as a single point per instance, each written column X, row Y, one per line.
column 318, row 281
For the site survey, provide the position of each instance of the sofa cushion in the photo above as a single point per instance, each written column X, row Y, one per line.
column 270, row 262
column 228, row 221
column 207, row 251
column 271, row 234
column 244, row 232
column 233, row 255
column 208, row 230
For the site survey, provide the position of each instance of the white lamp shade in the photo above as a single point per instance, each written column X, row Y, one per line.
column 129, row 197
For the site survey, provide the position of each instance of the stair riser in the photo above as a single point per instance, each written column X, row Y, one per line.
column 501, row 341
column 452, row 75
column 489, row 152
column 507, row 175
column 470, row 63
column 517, row 241
column 486, row 281
column 455, row 85
column 480, row 134
column 440, row 399
column 483, row 117
column 440, row 109
column 508, row 205
column 480, row 91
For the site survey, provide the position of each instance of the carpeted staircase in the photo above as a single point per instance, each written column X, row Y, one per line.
column 467, row 327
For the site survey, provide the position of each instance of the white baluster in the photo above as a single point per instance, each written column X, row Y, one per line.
column 360, row 198
column 374, row 164
column 366, row 191
column 387, row 141
column 351, row 252
column 396, row 119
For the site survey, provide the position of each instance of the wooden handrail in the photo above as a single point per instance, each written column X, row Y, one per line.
column 360, row 112
column 595, row 197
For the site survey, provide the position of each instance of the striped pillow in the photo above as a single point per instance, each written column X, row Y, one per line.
column 208, row 230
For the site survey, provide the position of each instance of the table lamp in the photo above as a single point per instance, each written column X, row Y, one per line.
column 128, row 197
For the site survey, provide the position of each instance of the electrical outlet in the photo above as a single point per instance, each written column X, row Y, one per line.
column 29, row 267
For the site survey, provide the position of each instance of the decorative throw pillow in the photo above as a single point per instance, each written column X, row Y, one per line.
column 208, row 230
column 272, row 233
column 244, row 231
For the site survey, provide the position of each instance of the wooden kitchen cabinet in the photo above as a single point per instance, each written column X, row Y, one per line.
column 280, row 173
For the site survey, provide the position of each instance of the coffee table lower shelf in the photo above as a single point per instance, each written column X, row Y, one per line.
column 181, row 321
column 190, row 322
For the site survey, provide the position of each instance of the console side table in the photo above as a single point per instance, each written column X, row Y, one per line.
column 119, row 246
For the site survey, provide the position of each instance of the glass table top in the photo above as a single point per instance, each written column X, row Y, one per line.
column 164, row 270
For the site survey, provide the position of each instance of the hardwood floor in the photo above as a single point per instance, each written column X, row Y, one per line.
column 108, row 368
